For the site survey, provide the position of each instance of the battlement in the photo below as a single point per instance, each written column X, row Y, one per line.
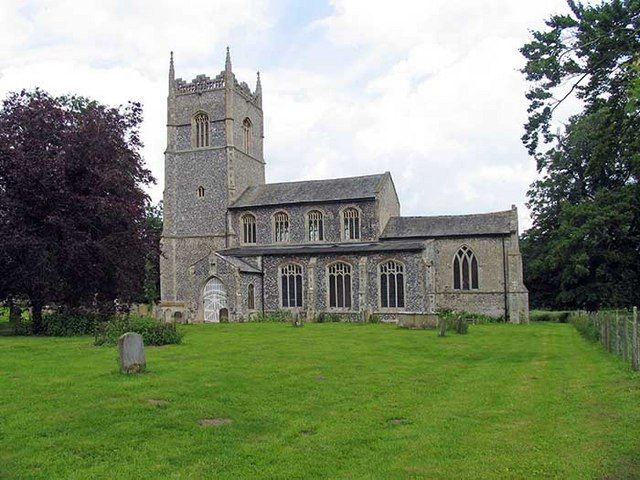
column 201, row 83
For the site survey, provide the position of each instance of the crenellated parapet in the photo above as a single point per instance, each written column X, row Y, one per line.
column 202, row 83
column 243, row 89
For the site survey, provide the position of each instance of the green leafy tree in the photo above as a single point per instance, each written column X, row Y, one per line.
column 583, row 248
column 152, row 261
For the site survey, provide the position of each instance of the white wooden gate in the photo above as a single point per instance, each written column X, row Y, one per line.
column 215, row 299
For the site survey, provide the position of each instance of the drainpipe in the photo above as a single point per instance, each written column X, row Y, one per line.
column 504, row 273
column 226, row 229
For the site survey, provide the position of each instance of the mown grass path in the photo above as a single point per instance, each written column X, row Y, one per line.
column 322, row 401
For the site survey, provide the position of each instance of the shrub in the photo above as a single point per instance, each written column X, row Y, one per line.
column 587, row 325
column 549, row 316
column 153, row 331
column 278, row 316
column 327, row 317
column 374, row 319
column 68, row 324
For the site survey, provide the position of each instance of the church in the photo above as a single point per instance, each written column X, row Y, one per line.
column 234, row 246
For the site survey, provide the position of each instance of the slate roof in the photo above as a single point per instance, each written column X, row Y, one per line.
column 311, row 191
column 495, row 223
column 241, row 264
column 330, row 248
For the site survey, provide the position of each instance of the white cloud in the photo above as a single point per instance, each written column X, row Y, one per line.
column 427, row 90
column 118, row 51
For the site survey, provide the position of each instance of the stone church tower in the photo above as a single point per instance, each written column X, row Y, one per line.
column 214, row 152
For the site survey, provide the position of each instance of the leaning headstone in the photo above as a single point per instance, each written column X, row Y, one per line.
column 131, row 353
column 442, row 326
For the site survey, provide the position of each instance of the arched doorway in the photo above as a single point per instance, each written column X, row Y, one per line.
column 215, row 299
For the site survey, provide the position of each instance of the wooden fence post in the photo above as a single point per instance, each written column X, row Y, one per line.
column 635, row 356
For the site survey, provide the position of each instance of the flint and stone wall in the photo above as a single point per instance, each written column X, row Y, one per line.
column 332, row 222
column 364, row 284
column 501, row 291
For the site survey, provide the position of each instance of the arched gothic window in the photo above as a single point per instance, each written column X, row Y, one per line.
column 246, row 136
column 251, row 297
column 248, row 228
column 315, row 227
column 281, row 227
column 392, row 284
column 201, row 130
column 200, row 191
column 351, row 224
column 339, row 276
column 465, row 270
column 291, row 285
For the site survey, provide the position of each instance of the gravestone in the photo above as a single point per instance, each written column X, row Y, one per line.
column 131, row 353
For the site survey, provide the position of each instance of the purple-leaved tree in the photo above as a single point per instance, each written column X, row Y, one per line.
column 72, row 207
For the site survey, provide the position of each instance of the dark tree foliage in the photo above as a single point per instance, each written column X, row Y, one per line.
column 584, row 247
column 152, row 261
column 72, row 209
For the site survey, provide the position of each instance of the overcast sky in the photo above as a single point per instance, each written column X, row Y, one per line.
column 428, row 90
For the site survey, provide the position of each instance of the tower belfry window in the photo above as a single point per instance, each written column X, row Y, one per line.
column 246, row 136
column 201, row 130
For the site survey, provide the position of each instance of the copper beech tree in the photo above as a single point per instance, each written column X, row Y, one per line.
column 72, row 207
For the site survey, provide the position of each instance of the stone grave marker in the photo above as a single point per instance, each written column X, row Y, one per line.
column 131, row 353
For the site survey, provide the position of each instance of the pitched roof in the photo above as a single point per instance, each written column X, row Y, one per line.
column 240, row 264
column 320, row 248
column 449, row 225
column 311, row 191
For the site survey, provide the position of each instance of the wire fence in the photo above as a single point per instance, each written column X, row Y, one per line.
column 616, row 331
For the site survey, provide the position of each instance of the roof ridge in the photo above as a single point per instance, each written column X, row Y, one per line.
column 452, row 215
column 322, row 179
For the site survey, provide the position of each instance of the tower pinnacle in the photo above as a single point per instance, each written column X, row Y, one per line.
column 172, row 73
column 227, row 63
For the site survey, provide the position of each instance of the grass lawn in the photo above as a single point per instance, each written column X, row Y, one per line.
column 322, row 401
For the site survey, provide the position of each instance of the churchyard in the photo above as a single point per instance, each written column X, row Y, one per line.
column 333, row 400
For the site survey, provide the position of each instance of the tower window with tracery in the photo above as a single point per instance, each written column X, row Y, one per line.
column 201, row 130
column 246, row 136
